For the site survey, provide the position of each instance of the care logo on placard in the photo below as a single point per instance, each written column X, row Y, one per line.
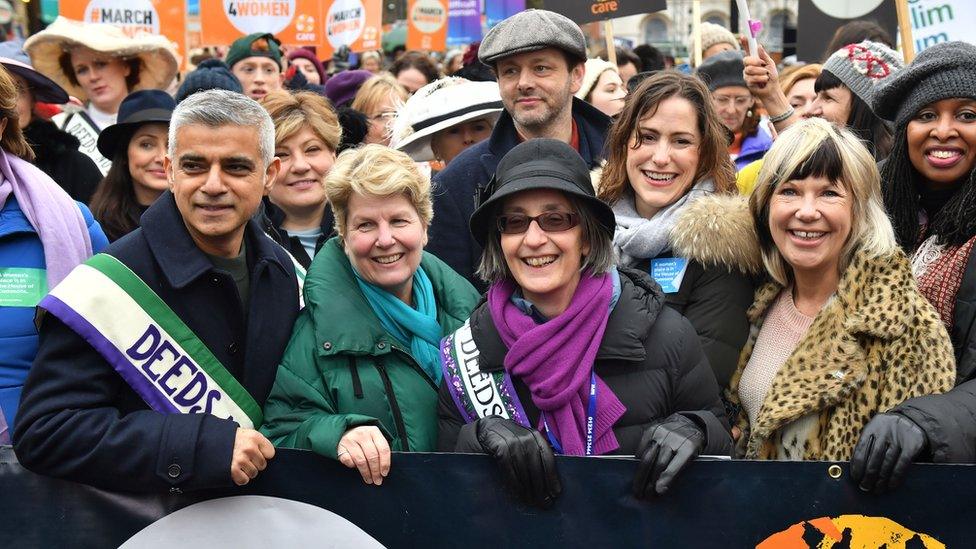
column 132, row 16
column 428, row 16
column 345, row 22
column 250, row 16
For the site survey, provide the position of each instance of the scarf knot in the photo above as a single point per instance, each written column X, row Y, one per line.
column 637, row 238
column 555, row 360
column 416, row 328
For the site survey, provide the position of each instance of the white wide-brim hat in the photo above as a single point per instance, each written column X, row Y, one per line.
column 438, row 106
column 158, row 55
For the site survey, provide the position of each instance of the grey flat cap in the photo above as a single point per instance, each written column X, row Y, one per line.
column 532, row 30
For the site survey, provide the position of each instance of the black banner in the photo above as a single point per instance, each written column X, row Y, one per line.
column 821, row 18
column 585, row 11
column 439, row 500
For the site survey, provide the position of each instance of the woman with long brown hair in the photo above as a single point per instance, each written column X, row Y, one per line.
column 136, row 145
column 667, row 149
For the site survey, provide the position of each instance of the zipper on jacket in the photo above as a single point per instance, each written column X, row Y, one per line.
column 394, row 405
column 357, row 384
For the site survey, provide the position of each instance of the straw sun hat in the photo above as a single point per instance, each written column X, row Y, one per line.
column 438, row 106
column 159, row 59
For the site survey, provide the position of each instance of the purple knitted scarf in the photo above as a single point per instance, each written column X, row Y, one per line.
column 555, row 360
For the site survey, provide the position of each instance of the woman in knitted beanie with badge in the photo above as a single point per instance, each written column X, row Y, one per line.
column 930, row 194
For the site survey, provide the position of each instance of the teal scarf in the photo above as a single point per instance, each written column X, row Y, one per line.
column 418, row 327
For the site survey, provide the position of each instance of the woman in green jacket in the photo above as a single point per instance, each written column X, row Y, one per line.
column 360, row 375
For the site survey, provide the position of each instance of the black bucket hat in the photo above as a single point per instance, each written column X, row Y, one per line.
column 138, row 108
column 538, row 164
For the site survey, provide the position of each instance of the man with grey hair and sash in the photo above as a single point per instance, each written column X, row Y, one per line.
column 156, row 356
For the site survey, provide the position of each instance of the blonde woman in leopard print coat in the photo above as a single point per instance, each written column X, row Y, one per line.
column 839, row 331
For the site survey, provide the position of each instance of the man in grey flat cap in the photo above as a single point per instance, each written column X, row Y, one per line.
column 538, row 57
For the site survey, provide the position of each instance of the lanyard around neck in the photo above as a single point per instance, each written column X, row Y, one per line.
column 590, row 422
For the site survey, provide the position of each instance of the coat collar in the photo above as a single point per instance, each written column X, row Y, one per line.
column 331, row 293
column 592, row 125
column 874, row 300
column 178, row 257
column 874, row 296
column 640, row 302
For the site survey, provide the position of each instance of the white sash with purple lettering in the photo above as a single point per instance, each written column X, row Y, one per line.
column 153, row 350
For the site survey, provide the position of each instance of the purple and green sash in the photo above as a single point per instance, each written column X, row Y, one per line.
column 477, row 394
column 153, row 350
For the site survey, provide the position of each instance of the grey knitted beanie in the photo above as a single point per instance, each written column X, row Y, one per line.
column 945, row 70
column 862, row 66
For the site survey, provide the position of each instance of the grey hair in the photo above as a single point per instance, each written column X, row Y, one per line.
column 215, row 108
column 493, row 267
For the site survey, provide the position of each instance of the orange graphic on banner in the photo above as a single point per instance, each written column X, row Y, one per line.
column 293, row 22
column 326, row 25
column 427, row 25
column 165, row 17
column 353, row 23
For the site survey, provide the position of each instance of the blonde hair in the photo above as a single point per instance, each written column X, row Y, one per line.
column 292, row 112
column 804, row 72
column 12, row 140
column 376, row 89
column 379, row 171
column 817, row 148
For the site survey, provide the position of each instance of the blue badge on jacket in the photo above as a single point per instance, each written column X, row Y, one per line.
column 668, row 272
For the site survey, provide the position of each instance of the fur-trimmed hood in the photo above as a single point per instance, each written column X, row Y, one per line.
column 718, row 230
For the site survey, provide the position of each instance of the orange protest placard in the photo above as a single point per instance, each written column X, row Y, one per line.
column 353, row 23
column 164, row 17
column 427, row 25
column 293, row 22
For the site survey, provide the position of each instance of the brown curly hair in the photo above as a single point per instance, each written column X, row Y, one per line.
column 714, row 160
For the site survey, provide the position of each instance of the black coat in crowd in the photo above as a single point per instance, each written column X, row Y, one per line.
column 715, row 300
column 275, row 217
column 949, row 420
column 650, row 358
column 58, row 156
column 80, row 421
column 455, row 187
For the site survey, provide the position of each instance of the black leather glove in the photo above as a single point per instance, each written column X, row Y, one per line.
column 888, row 445
column 666, row 448
column 525, row 458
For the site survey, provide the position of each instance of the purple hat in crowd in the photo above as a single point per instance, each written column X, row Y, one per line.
column 342, row 87
column 307, row 54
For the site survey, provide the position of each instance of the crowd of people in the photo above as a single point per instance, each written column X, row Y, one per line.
column 520, row 249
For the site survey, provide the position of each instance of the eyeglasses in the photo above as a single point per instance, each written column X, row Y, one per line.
column 384, row 117
column 553, row 222
column 739, row 101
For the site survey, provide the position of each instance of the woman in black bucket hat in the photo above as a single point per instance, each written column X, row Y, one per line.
column 136, row 144
column 580, row 358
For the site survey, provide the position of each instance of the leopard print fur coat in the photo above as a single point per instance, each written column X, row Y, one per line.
column 875, row 344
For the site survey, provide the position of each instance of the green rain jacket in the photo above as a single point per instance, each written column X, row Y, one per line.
column 341, row 369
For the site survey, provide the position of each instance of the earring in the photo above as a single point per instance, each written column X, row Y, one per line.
column 749, row 113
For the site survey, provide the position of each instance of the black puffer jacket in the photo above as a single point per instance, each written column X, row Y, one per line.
column 650, row 358
column 58, row 156
column 274, row 217
column 949, row 419
column 715, row 300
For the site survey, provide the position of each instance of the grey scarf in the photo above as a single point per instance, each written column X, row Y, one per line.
column 636, row 238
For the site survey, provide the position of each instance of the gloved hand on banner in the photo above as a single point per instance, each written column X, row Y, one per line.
column 888, row 445
column 666, row 448
column 525, row 458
